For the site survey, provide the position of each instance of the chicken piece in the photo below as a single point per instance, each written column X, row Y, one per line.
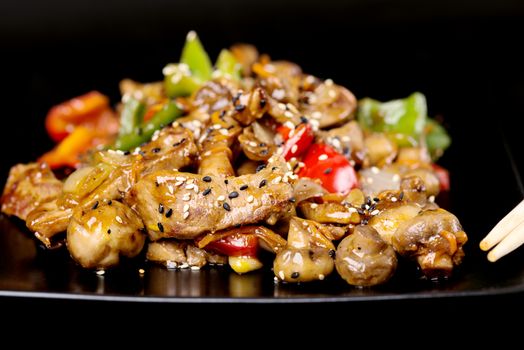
column 175, row 254
column 216, row 154
column 329, row 213
column 347, row 140
column 171, row 149
column 47, row 220
column 184, row 205
column 96, row 238
column 308, row 255
column 329, row 105
column 29, row 185
column 435, row 239
column 250, row 106
column 364, row 259
column 214, row 95
column 431, row 182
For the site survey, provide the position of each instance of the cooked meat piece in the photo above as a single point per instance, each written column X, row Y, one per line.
column 281, row 79
column 216, row 154
column 174, row 254
column 380, row 149
column 201, row 203
column 364, row 259
column 347, row 140
column 329, row 105
column 97, row 237
column 246, row 55
column 28, row 186
column 387, row 221
column 431, row 182
column 250, row 106
column 434, row 238
column 47, row 220
column 329, row 213
column 172, row 148
column 213, row 96
column 413, row 157
column 254, row 148
column 150, row 93
column 308, row 255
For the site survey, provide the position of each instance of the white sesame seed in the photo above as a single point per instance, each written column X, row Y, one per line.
column 141, row 271
column 252, row 143
column 278, row 94
column 292, row 108
column 175, row 124
column 221, row 198
column 189, row 187
column 217, row 126
column 277, row 180
column 352, row 162
column 281, row 106
column 394, row 199
column 352, row 210
column 289, row 125
column 250, row 199
column 369, row 180
column 180, row 178
column 431, row 199
column 100, row 272
column 321, row 277
column 224, row 132
column 196, row 123
column 171, row 264
column 206, row 153
column 285, row 179
column 187, row 197
column 186, row 215
column 346, row 139
column 280, row 150
column 195, row 188
column 336, row 143
column 186, row 208
column 294, row 149
column 304, row 223
column 119, row 219
column 316, row 115
column 332, row 93
column 314, row 205
column 396, row 177
column 301, row 164
column 288, row 114
column 190, row 181
column 375, row 170
column 375, row 212
column 323, row 157
column 178, row 183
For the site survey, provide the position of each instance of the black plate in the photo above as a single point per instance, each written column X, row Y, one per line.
column 27, row 270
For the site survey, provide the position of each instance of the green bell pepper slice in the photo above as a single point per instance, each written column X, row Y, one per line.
column 196, row 58
column 404, row 118
column 131, row 116
column 437, row 138
column 227, row 65
column 142, row 134
column 178, row 80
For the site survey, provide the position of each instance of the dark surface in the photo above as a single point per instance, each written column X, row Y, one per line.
column 466, row 58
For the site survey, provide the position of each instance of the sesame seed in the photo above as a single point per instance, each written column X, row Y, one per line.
column 110, row 202
column 328, row 171
column 195, row 188
column 221, row 198
column 375, row 212
column 95, row 205
column 178, row 183
column 431, row 199
column 376, row 199
column 260, row 167
column 169, row 213
column 109, row 231
column 288, row 114
column 262, row 183
column 186, row 215
column 206, row 192
column 401, row 196
column 277, row 180
column 160, row 227
column 100, row 272
column 206, row 178
column 252, row 143
column 243, row 187
column 186, row 208
column 233, row 194
column 240, row 107
column 321, row 277
column 226, row 206
column 189, row 187
column 295, row 275
column 180, row 178
column 396, row 177
column 294, row 149
column 226, row 181
column 375, row 170
column 281, row 106
column 141, row 271
column 186, row 197
column 176, row 144
column 314, row 205
column 323, row 157
column 224, row 132
column 156, row 149
column 119, row 219
column 250, row 199
column 303, row 119
column 394, row 199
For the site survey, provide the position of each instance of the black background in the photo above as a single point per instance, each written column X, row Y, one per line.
column 465, row 56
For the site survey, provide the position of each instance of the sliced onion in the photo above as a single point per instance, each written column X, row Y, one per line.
column 306, row 188
column 263, row 133
column 73, row 181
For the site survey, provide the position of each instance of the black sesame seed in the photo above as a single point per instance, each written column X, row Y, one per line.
column 206, row 178
column 264, row 152
column 332, row 253
column 169, row 213
column 292, row 199
column 360, row 211
column 226, row 181
column 243, row 187
column 262, row 102
column 328, row 171
column 401, row 195
column 126, row 153
column 236, row 97
column 303, row 119
column 364, row 222
column 240, row 107
column 226, row 206
column 376, row 199
column 156, row 149
column 160, row 208
column 262, row 183
column 109, row 231
column 295, row 275
column 368, row 201
column 274, row 168
column 260, row 167
column 363, row 206
column 160, row 227
column 110, row 202
column 233, row 194
column 206, row 192
column 345, row 150
column 95, row 205
column 157, row 184
column 179, row 142
column 262, row 144
column 142, row 153
column 230, row 127
column 222, row 114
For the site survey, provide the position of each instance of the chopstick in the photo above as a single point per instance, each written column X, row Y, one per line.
column 506, row 236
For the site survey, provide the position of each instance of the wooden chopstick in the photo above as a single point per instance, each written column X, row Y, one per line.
column 507, row 235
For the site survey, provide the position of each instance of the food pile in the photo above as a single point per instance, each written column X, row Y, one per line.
column 240, row 162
